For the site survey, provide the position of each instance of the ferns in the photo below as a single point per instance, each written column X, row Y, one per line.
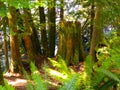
column 6, row 87
column 60, row 65
column 109, row 74
column 93, row 78
column 72, row 83
column 38, row 82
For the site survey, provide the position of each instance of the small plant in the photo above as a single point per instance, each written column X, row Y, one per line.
column 59, row 70
column 6, row 86
column 72, row 83
column 36, row 83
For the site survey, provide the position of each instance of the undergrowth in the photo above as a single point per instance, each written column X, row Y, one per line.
column 102, row 75
column 6, row 86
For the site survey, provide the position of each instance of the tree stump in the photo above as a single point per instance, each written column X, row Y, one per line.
column 70, row 46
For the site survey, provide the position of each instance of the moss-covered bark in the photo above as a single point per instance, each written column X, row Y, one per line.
column 16, row 65
column 32, row 44
column 97, row 34
column 70, row 42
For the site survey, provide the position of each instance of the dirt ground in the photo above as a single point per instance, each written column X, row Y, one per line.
column 16, row 81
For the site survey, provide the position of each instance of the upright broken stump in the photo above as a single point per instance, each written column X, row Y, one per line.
column 70, row 46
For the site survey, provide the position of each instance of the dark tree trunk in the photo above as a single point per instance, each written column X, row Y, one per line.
column 6, row 43
column 1, row 76
column 32, row 44
column 52, row 27
column 44, row 41
column 62, row 9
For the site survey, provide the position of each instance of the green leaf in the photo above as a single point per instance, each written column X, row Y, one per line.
column 109, row 74
column 3, row 10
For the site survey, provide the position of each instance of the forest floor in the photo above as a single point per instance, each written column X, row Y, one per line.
column 16, row 80
column 20, row 83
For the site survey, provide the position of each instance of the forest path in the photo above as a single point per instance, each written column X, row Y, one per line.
column 16, row 81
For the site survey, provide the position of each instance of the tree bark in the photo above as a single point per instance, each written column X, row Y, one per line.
column 44, row 40
column 1, row 76
column 92, row 18
column 52, row 27
column 70, row 46
column 6, row 43
column 97, row 34
column 16, row 65
column 62, row 9
column 30, row 35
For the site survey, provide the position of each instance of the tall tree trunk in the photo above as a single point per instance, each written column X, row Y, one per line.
column 6, row 43
column 33, row 48
column 92, row 18
column 97, row 34
column 70, row 42
column 1, row 73
column 1, row 76
column 62, row 9
column 52, row 27
column 16, row 65
column 44, row 41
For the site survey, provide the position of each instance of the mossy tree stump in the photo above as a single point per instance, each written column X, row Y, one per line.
column 70, row 42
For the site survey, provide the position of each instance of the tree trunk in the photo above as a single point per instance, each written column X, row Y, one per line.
column 44, row 41
column 61, row 9
column 16, row 65
column 92, row 18
column 70, row 42
column 1, row 76
column 97, row 34
column 6, row 43
column 51, row 27
column 30, row 35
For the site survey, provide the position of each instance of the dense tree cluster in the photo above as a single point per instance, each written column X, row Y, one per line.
column 72, row 29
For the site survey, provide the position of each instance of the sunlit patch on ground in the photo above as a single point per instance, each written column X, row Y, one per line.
column 16, row 81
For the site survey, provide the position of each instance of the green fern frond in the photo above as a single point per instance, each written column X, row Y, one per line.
column 109, row 74
column 54, row 63
column 72, row 83
column 89, row 65
column 88, row 70
column 39, row 84
column 60, row 65
column 97, row 79
column 107, row 85
column 56, row 74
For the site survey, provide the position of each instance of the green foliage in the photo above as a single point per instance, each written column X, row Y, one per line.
column 72, row 83
column 20, row 3
column 107, row 69
column 107, row 85
column 61, row 65
column 103, row 74
column 38, row 82
column 88, row 70
column 41, row 3
column 3, row 10
column 6, row 87
column 109, row 74
column 58, row 70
